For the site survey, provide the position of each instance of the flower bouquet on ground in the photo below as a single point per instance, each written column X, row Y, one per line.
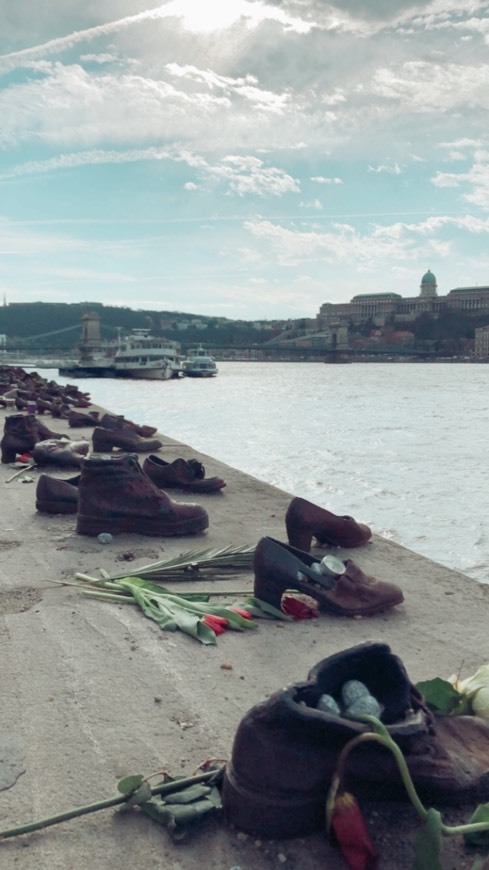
column 191, row 612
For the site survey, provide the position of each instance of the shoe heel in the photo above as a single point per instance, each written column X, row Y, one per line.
column 266, row 591
column 299, row 532
column 301, row 538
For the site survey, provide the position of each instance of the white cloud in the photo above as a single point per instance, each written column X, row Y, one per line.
column 321, row 179
column 383, row 244
column 312, row 204
column 476, row 179
column 390, row 168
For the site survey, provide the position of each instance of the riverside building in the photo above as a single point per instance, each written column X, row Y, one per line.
column 382, row 308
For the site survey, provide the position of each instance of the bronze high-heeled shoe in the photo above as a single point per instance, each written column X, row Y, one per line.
column 304, row 520
column 279, row 567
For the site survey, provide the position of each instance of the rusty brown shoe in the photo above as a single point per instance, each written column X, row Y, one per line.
column 57, row 496
column 118, row 421
column 77, row 419
column 305, row 520
column 20, row 436
column 181, row 474
column 115, row 495
column 348, row 592
column 124, row 438
column 279, row 567
column 286, row 748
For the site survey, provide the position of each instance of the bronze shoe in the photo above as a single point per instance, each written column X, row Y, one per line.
column 279, row 567
column 76, row 419
column 63, row 454
column 56, row 496
column 305, row 520
column 124, row 438
column 181, row 474
column 286, row 748
column 20, row 436
column 118, row 421
column 115, row 495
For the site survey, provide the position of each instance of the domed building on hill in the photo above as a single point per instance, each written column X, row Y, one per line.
column 394, row 308
column 428, row 284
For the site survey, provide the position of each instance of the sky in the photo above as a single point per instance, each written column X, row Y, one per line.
column 242, row 158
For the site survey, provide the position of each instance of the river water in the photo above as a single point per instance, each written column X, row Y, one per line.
column 401, row 447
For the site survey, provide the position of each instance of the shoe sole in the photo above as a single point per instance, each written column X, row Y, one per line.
column 191, row 487
column 270, row 815
column 140, row 525
column 56, row 507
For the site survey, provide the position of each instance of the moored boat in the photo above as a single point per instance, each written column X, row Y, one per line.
column 199, row 364
column 145, row 356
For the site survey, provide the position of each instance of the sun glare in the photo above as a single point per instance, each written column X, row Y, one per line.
column 214, row 14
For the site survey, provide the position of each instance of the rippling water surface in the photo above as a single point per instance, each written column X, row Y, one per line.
column 399, row 446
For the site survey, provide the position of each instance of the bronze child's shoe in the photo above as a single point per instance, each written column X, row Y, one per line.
column 181, row 474
column 279, row 567
column 305, row 520
column 115, row 495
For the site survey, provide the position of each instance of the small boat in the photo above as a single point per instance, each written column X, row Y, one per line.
column 199, row 364
column 145, row 356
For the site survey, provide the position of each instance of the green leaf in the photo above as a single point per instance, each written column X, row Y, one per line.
column 179, row 817
column 442, row 698
column 215, row 797
column 137, row 798
column 428, row 843
column 262, row 609
column 478, row 838
column 130, row 783
column 187, row 795
column 157, row 811
column 195, row 563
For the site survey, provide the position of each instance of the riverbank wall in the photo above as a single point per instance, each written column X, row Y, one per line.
column 93, row 691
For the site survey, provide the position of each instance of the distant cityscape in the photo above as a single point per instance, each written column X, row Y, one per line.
column 459, row 320
column 451, row 325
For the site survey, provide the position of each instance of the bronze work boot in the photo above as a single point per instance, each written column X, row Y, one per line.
column 20, row 436
column 279, row 567
column 124, row 438
column 305, row 520
column 44, row 433
column 115, row 495
column 286, row 749
column 181, row 474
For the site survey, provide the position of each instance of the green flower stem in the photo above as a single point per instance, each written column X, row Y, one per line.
column 401, row 763
column 384, row 739
column 162, row 789
column 128, row 599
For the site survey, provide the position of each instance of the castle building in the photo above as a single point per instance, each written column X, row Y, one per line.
column 393, row 308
